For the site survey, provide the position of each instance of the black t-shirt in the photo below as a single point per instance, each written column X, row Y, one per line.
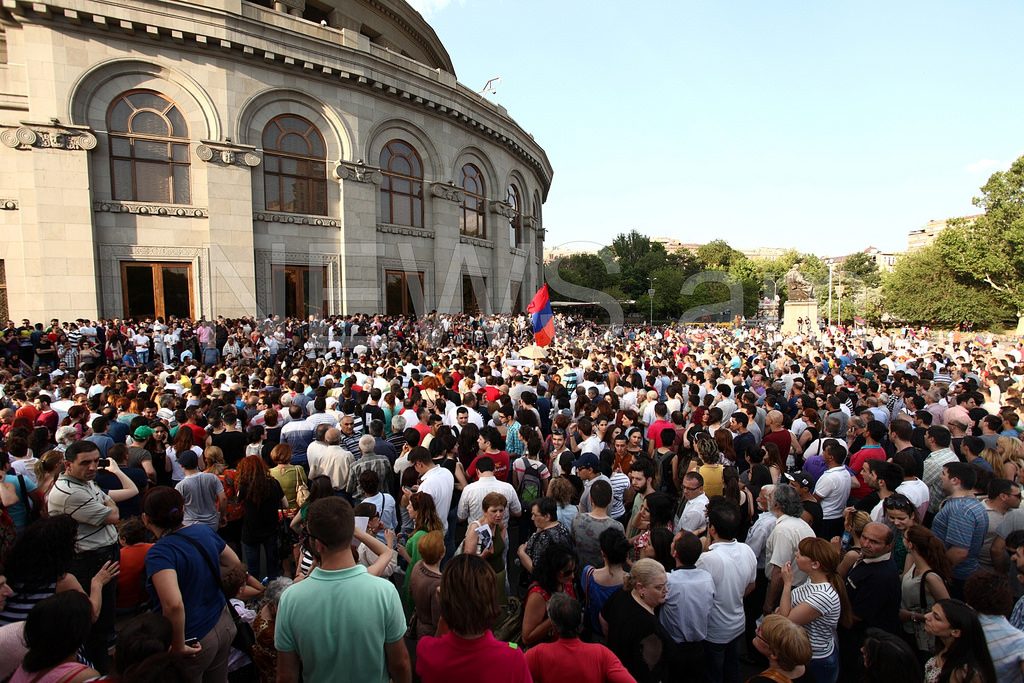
column 232, row 444
column 814, row 507
column 259, row 522
column 637, row 638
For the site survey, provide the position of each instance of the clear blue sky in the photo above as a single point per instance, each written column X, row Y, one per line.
column 826, row 126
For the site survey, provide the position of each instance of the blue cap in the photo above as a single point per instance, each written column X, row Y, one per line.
column 587, row 460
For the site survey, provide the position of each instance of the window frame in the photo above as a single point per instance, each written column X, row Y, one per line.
column 479, row 212
column 133, row 161
column 388, row 194
column 514, row 199
column 313, row 181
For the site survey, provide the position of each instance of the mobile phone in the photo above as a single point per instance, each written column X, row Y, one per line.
column 192, row 642
column 103, row 462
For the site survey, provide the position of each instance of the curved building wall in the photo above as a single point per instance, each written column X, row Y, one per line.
column 228, row 158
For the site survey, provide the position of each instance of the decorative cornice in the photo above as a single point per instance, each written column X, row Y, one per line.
column 406, row 230
column 228, row 155
column 52, row 137
column 447, row 191
column 359, row 172
column 447, row 105
column 170, row 210
column 516, row 251
column 541, row 233
column 296, row 219
column 476, row 241
column 530, row 222
column 7, row 204
column 502, row 209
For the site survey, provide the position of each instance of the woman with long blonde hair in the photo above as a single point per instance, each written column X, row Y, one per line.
column 1012, row 451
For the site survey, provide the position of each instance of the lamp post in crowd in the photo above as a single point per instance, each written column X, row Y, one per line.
column 831, row 266
column 650, row 292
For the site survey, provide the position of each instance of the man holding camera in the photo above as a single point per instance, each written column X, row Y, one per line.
column 75, row 493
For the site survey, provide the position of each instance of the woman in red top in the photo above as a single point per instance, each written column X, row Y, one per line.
column 469, row 607
column 553, row 573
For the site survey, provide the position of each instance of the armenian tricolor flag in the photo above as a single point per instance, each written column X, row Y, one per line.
column 543, row 318
column 860, row 321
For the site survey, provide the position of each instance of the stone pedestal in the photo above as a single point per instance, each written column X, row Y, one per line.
column 794, row 310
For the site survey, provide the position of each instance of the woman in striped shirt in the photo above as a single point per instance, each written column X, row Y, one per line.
column 818, row 604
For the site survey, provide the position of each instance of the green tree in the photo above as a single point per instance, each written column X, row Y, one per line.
column 989, row 249
column 923, row 289
column 861, row 267
column 630, row 248
column 585, row 270
column 717, row 255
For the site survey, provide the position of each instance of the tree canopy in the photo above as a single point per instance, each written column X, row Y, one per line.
column 989, row 249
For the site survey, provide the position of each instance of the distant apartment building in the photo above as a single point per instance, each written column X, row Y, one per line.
column 923, row 237
column 886, row 261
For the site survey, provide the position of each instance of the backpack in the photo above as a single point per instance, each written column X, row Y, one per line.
column 32, row 511
column 531, row 485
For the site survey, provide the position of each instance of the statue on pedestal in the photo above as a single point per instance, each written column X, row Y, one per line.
column 797, row 286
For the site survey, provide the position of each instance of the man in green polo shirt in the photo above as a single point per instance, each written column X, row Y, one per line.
column 340, row 622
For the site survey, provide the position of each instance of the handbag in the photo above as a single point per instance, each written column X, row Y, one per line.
column 245, row 637
column 301, row 488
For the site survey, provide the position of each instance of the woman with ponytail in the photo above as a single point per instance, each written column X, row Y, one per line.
column 819, row 604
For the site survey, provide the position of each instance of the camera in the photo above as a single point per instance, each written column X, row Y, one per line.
column 103, row 462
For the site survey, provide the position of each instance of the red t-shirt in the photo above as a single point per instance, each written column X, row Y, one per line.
column 133, row 569
column 501, row 461
column 198, row 434
column 783, row 439
column 450, row 658
column 574, row 660
column 423, row 429
column 857, row 464
column 654, row 431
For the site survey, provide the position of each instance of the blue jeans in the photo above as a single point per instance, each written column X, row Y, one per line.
column 252, row 558
column 723, row 664
column 826, row 670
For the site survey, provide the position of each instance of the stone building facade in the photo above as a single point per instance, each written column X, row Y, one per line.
column 241, row 157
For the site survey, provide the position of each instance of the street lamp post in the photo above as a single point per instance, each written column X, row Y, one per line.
column 650, row 293
column 830, row 267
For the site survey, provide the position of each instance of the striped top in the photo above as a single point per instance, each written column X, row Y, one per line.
column 822, row 631
column 24, row 598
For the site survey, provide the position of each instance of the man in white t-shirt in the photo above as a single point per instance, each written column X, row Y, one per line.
column 833, row 488
column 733, row 567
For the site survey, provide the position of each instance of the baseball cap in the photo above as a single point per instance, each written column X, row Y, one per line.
column 801, row 477
column 587, row 460
column 188, row 459
column 142, row 433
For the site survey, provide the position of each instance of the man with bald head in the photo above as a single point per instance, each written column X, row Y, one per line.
column 332, row 460
column 873, row 586
column 776, row 433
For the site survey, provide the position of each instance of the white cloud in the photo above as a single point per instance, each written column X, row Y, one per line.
column 986, row 166
column 992, row 165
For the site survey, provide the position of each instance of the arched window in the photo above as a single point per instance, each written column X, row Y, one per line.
column 295, row 166
column 471, row 223
column 515, row 221
column 149, row 153
column 401, row 192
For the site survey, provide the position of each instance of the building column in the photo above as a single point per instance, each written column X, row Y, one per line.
column 232, row 266
column 445, row 211
column 361, row 292
column 51, row 251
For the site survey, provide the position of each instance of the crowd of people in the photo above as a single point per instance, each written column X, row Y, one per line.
column 376, row 498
